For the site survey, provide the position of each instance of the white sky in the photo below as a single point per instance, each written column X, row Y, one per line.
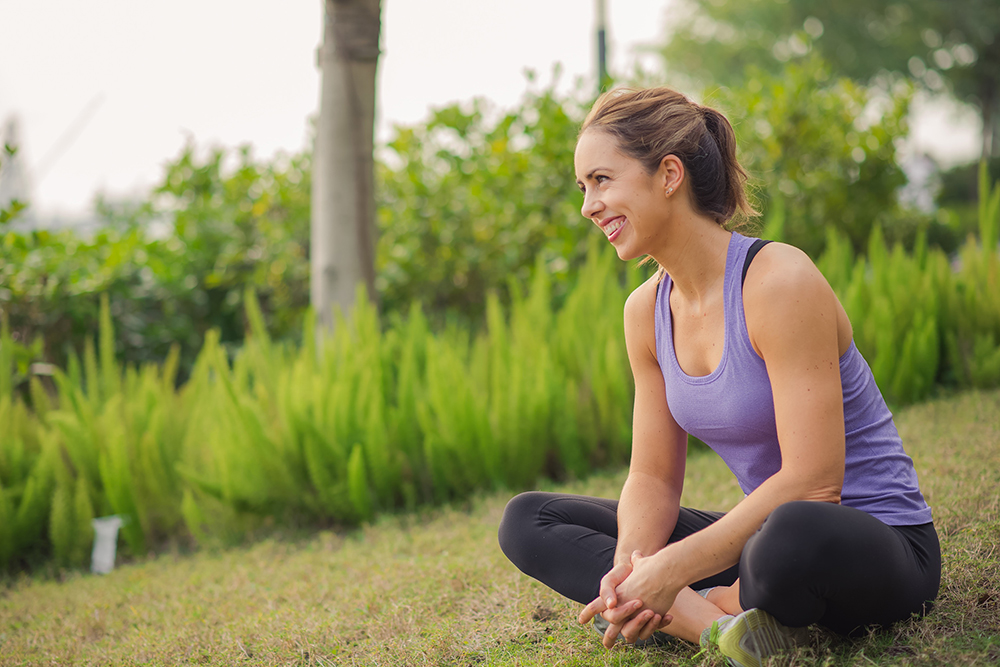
column 106, row 91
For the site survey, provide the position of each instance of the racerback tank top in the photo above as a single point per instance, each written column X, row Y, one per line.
column 732, row 411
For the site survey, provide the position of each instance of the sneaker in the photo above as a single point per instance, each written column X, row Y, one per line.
column 657, row 639
column 749, row 639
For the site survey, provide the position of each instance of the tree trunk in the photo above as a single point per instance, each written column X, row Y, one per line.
column 342, row 247
column 991, row 129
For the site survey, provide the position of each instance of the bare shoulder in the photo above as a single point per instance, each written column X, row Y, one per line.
column 642, row 301
column 785, row 296
column 640, row 317
column 782, row 268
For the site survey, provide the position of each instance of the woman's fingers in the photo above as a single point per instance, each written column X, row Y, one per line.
column 647, row 630
column 633, row 629
column 592, row 610
column 611, row 635
column 620, row 614
column 611, row 581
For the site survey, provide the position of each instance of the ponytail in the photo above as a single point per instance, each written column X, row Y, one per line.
column 732, row 176
column 653, row 123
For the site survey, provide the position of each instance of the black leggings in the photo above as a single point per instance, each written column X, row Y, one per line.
column 810, row 562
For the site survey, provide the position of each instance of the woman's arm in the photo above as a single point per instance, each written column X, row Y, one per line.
column 797, row 325
column 650, row 498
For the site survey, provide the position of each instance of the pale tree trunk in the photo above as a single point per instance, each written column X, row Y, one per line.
column 991, row 128
column 342, row 247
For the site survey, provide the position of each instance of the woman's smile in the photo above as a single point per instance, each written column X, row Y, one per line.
column 618, row 193
column 612, row 226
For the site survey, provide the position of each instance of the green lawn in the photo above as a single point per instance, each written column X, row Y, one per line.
column 434, row 589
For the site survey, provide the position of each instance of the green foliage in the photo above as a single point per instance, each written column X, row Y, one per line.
column 474, row 198
column 803, row 136
column 922, row 319
column 951, row 45
column 972, row 343
column 417, row 404
column 381, row 415
column 387, row 413
column 25, row 471
column 468, row 201
column 172, row 267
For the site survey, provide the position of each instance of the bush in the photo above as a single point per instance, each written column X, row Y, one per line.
column 473, row 200
column 808, row 140
column 380, row 416
column 920, row 319
column 468, row 203
column 173, row 267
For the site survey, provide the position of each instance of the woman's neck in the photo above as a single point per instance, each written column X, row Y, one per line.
column 694, row 256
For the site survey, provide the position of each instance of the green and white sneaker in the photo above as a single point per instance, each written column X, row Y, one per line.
column 747, row 640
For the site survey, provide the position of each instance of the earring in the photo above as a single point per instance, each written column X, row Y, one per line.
column 670, row 191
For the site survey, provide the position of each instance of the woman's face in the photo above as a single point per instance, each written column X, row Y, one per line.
column 619, row 196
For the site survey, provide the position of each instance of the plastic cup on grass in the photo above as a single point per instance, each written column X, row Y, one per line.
column 105, row 543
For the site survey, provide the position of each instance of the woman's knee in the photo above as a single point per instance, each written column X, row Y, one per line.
column 785, row 553
column 520, row 517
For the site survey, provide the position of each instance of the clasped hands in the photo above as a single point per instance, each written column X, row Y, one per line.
column 634, row 599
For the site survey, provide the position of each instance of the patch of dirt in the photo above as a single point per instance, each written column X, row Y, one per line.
column 543, row 613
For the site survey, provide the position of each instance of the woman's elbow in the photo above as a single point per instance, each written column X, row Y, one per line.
column 823, row 488
column 825, row 493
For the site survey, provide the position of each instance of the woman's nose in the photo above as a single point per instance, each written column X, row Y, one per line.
column 591, row 205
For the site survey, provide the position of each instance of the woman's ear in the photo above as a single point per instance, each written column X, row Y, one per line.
column 671, row 174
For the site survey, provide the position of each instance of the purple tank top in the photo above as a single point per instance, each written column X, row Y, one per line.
column 732, row 411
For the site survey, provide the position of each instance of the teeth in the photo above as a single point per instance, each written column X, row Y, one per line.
column 614, row 226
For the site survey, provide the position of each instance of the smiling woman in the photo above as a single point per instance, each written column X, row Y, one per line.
column 758, row 361
column 620, row 151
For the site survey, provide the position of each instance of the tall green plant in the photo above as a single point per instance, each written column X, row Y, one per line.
column 390, row 413
column 973, row 307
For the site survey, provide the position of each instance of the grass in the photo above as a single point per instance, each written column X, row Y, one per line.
column 434, row 589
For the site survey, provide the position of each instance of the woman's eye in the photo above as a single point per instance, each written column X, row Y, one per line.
column 601, row 178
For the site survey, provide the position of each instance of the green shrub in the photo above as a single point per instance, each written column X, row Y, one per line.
column 473, row 198
column 172, row 267
column 923, row 319
column 387, row 413
column 805, row 136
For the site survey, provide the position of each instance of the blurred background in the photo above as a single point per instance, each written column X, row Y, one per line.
column 158, row 356
column 102, row 95
column 166, row 151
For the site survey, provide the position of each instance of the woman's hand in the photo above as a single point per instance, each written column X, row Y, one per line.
column 648, row 582
column 626, row 617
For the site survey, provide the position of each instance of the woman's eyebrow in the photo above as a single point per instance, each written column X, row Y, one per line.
column 594, row 171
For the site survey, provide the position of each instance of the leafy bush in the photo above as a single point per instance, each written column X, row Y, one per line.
column 382, row 415
column 472, row 200
column 173, row 267
column 809, row 142
column 389, row 413
column 468, row 202
column 920, row 318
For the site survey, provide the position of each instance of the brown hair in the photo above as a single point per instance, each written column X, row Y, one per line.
column 652, row 123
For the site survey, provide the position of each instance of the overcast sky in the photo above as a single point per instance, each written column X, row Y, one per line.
column 106, row 91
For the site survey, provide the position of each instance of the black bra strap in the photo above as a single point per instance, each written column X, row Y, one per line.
column 754, row 249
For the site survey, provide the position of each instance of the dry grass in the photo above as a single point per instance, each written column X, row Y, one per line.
column 434, row 589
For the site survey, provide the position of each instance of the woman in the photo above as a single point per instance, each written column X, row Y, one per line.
column 747, row 348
